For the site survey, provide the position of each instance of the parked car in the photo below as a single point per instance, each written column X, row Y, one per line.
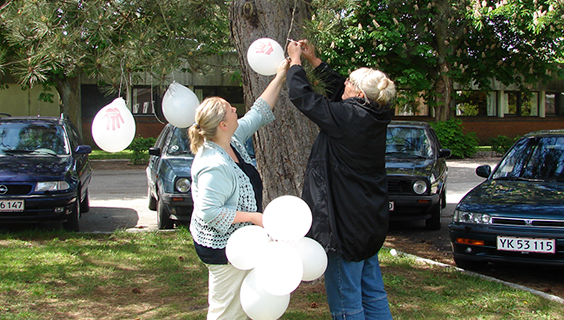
column 517, row 213
column 44, row 171
column 417, row 173
column 169, row 179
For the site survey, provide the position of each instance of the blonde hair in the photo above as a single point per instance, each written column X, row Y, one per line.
column 208, row 116
column 374, row 84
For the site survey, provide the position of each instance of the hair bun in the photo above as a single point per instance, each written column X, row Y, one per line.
column 383, row 84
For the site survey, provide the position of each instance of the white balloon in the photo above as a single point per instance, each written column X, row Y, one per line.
column 280, row 268
column 313, row 256
column 264, row 56
column 259, row 304
column 287, row 218
column 179, row 105
column 245, row 246
column 113, row 127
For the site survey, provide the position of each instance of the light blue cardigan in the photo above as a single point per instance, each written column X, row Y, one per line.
column 220, row 187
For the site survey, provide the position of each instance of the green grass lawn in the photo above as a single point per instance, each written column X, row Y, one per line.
column 157, row 275
column 98, row 154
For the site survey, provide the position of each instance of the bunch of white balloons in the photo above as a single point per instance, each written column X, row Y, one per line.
column 278, row 255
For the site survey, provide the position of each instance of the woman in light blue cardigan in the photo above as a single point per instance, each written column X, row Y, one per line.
column 226, row 189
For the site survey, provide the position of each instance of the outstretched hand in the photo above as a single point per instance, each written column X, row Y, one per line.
column 305, row 48
column 308, row 49
column 294, row 52
column 283, row 67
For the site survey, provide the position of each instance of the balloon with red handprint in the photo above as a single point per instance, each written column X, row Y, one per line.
column 113, row 118
column 264, row 56
column 113, row 127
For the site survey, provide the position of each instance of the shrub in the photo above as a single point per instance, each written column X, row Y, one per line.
column 501, row 144
column 140, row 146
column 451, row 136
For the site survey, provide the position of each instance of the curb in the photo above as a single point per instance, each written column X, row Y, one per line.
column 547, row 296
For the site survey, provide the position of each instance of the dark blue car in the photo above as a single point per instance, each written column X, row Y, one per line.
column 417, row 173
column 169, row 179
column 517, row 213
column 44, row 171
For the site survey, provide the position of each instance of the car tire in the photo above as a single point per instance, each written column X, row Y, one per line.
column 444, row 199
column 85, row 203
column 163, row 219
column 152, row 201
column 434, row 223
column 72, row 220
column 471, row 265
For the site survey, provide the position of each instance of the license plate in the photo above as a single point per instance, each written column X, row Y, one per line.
column 11, row 205
column 526, row 245
column 391, row 205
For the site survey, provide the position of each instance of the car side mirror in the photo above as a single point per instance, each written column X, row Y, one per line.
column 155, row 151
column 484, row 171
column 83, row 149
column 444, row 153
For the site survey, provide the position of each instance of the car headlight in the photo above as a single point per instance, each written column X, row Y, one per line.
column 471, row 217
column 419, row 187
column 182, row 185
column 52, row 186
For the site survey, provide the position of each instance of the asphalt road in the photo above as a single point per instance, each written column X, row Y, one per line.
column 118, row 199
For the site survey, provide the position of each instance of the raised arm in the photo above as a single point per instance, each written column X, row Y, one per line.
column 270, row 94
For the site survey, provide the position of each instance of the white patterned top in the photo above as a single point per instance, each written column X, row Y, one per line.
column 220, row 187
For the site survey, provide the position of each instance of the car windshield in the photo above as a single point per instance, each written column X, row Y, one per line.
column 32, row 138
column 537, row 158
column 408, row 141
column 179, row 143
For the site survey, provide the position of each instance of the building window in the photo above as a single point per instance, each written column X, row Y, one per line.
column 517, row 103
column 93, row 98
column 476, row 103
column 550, row 105
column 142, row 103
column 511, row 102
column 554, row 103
column 530, row 105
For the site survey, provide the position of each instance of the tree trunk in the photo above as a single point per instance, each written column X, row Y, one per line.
column 69, row 92
column 283, row 146
column 444, row 85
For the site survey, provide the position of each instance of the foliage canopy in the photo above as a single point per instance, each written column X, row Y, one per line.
column 429, row 46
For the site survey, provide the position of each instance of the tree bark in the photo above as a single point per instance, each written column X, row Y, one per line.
column 283, row 146
column 69, row 92
column 443, row 88
column 444, row 85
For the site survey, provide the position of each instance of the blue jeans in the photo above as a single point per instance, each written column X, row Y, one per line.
column 355, row 290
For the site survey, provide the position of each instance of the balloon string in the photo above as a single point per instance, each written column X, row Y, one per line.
column 120, row 79
column 153, row 100
column 291, row 24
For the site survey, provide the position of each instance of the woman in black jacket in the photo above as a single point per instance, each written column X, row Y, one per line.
column 345, row 179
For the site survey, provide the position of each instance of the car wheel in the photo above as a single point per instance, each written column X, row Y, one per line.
column 85, row 203
column 471, row 265
column 152, row 200
column 434, row 223
column 444, row 199
column 72, row 220
column 163, row 219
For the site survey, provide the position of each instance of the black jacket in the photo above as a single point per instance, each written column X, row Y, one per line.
column 345, row 180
